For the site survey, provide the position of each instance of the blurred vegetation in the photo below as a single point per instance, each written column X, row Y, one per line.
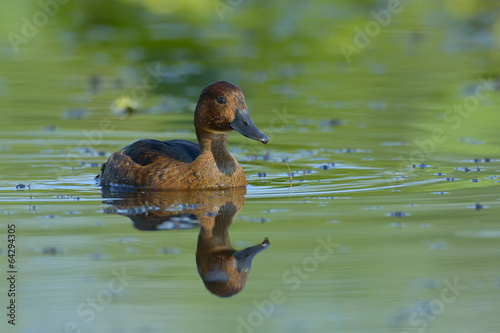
column 349, row 125
column 284, row 55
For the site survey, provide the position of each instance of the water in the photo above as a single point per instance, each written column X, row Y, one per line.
column 390, row 220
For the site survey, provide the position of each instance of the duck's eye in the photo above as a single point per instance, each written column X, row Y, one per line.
column 221, row 100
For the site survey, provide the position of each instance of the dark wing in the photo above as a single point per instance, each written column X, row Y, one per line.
column 144, row 152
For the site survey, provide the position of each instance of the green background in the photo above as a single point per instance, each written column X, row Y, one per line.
column 404, row 215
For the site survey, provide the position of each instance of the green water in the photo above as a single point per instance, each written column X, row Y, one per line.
column 395, row 158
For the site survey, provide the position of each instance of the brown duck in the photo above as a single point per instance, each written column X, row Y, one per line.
column 180, row 164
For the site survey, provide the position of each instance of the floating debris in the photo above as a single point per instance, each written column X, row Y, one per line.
column 51, row 250
column 80, row 113
column 421, row 166
column 331, row 122
column 482, row 160
column 438, row 246
column 91, row 165
column 127, row 240
column 259, row 220
column 398, row 214
column 50, row 128
column 394, row 143
column 277, row 210
column 62, row 196
column 422, row 308
column 267, row 156
column 261, row 174
column 48, row 216
column 344, row 150
column 124, row 106
column 170, row 250
column 327, row 166
column 95, row 83
column 378, row 105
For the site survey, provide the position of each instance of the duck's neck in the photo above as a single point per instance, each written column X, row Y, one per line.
column 216, row 145
column 210, row 141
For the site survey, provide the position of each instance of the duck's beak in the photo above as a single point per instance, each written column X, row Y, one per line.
column 244, row 125
column 245, row 257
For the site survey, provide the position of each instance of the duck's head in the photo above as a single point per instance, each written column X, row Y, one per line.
column 222, row 108
column 224, row 272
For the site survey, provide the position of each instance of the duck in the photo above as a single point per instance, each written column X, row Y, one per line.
column 181, row 164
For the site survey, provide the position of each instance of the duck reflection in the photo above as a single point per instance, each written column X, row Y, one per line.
column 223, row 269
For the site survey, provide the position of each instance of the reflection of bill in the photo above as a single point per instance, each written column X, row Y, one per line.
column 224, row 270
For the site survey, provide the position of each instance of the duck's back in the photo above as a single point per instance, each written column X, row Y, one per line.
column 145, row 152
column 125, row 166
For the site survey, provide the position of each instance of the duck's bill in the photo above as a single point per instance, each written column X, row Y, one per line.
column 244, row 257
column 244, row 125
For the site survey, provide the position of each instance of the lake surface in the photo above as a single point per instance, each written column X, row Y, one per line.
column 389, row 221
